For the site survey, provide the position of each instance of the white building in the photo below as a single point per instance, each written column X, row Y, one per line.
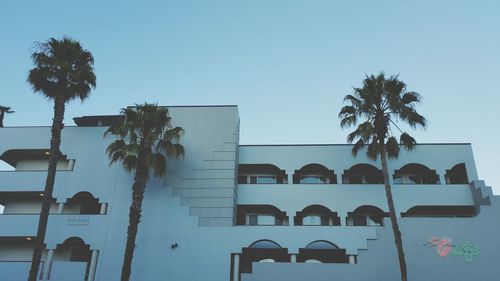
column 245, row 212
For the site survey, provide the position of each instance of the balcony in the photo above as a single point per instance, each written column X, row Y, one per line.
column 345, row 198
column 59, row 228
column 61, row 271
column 20, row 181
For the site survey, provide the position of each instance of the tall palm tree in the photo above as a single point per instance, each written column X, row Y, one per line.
column 380, row 104
column 145, row 135
column 3, row 110
column 63, row 71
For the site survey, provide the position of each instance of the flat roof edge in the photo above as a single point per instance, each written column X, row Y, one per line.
column 347, row 144
column 215, row 105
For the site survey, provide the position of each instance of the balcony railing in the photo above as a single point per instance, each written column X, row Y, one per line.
column 61, row 271
column 19, row 181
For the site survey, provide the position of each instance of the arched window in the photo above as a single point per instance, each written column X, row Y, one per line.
column 415, row 174
column 264, row 244
column 73, row 249
column 260, row 215
column 366, row 215
column 261, row 174
column 322, row 244
column 82, row 203
column 322, row 251
column 316, row 215
column 314, row 174
column 457, row 175
column 262, row 251
column 362, row 174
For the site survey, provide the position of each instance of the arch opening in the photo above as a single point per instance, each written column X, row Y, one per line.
column 415, row 174
column 457, row 175
column 83, row 203
column 260, row 215
column 322, row 251
column 261, row 174
column 366, row 215
column 316, row 215
column 314, row 174
column 363, row 174
column 262, row 251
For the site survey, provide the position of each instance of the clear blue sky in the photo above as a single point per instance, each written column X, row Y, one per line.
column 287, row 64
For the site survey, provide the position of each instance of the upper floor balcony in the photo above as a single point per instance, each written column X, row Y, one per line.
column 345, row 198
column 26, row 169
column 82, row 216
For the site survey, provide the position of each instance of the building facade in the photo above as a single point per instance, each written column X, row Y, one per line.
column 234, row 212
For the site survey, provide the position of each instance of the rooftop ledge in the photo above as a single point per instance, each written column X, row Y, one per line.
column 347, row 144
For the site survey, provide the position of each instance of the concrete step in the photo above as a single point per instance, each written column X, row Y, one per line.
column 219, row 202
column 215, row 221
column 212, row 212
column 204, row 192
column 213, row 173
column 208, row 183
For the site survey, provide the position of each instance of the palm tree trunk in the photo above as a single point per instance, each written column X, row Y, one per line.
column 55, row 142
column 2, row 114
column 138, row 188
column 392, row 214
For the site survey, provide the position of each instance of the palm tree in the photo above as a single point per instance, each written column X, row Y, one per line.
column 381, row 103
column 62, row 71
column 144, row 135
column 3, row 110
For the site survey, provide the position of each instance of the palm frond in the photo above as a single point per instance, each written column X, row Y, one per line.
column 129, row 162
column 6, row 109
column 407, row 141
column 63, row 70
column 360, row 144
column 146, row 127
column 411, row 98
column 380, row 103
column 158, row 164
column 412, row 117
column 392, row 147
column 348, row 116
column 373, row 149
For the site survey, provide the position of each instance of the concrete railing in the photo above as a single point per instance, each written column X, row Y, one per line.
column 344, row 198
column 20, row 181
column 60, row 227
column 16, row 270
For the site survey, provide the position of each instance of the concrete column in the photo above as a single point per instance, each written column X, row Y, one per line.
column 60, row 208
column 442, row 176
column 236, row 267
column 343, row 219
column 293, row 258
column 48, row 265
column 352, row 259
column 104, row 208
column 93, row 265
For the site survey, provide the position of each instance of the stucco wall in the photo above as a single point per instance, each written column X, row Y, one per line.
column 200, row 192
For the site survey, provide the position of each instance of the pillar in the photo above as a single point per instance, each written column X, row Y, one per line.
column 48, row 265
column 236, row 267
column 93, row 265
column 343, row 219
column 293, row 258
column 352, row 259
column 441, row 176
column 104, row 208
column 60, row 208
